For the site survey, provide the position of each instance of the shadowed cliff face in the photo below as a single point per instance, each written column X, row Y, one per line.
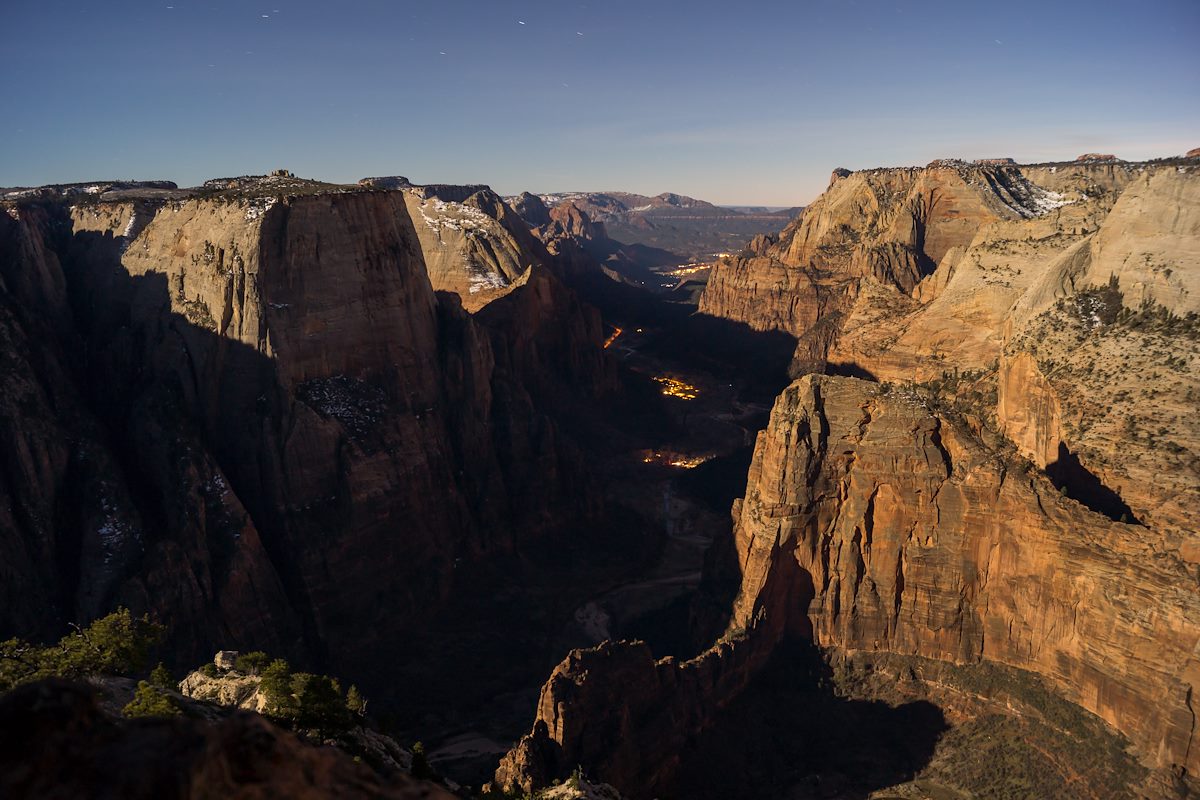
column 254, row 418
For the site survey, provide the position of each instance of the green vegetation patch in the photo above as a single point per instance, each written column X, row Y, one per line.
column 118, row 644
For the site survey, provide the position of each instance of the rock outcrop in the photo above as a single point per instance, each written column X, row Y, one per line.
column 624, row 715
column 476, row 247
column 226, row 688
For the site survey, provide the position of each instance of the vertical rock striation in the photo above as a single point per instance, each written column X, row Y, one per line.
column 259, row 421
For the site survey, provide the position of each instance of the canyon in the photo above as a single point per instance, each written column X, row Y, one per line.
column 984, row 472
column 906, row 506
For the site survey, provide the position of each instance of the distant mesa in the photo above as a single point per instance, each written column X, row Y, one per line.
column 994, row 162
column 676, row 228
column 1097, row 157
column 387, row 182
column 95, row 188
column 1193, row 153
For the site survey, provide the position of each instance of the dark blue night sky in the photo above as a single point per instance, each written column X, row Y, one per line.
column 732, row 102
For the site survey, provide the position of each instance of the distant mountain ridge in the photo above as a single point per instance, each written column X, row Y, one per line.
column 609, row 206
column 693, row 229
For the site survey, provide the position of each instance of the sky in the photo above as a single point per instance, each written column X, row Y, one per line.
column 732, row 102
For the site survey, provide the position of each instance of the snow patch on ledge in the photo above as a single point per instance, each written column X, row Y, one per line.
column 455, row 217
column 258, row 207
column 1027, row 199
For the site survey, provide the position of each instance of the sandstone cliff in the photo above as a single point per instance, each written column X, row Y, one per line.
column 219, row 403
column 871, row 523
column 974, row 246
column 476, row 247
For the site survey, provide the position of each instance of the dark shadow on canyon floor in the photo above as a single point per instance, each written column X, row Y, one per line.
column 789, row 735
column 758, row 360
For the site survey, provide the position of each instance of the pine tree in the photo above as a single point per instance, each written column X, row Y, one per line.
column 356, row 702
column 150, row 701
column 161, row 677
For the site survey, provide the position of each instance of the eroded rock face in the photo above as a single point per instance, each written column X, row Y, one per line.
column 871, row 523
column 980, row 248
column 531, row 209
column 1102, row 397
column 252, row 392
column 477, row 247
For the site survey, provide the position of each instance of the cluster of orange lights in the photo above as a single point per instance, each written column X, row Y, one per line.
column 676, row 388
column 675, row 459
column 689, row 269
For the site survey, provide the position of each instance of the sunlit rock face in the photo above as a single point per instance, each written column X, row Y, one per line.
column 904, row 273
column 872, row 523
column 476, row 246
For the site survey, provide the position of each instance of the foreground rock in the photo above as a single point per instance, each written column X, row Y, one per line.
column 57, row 741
